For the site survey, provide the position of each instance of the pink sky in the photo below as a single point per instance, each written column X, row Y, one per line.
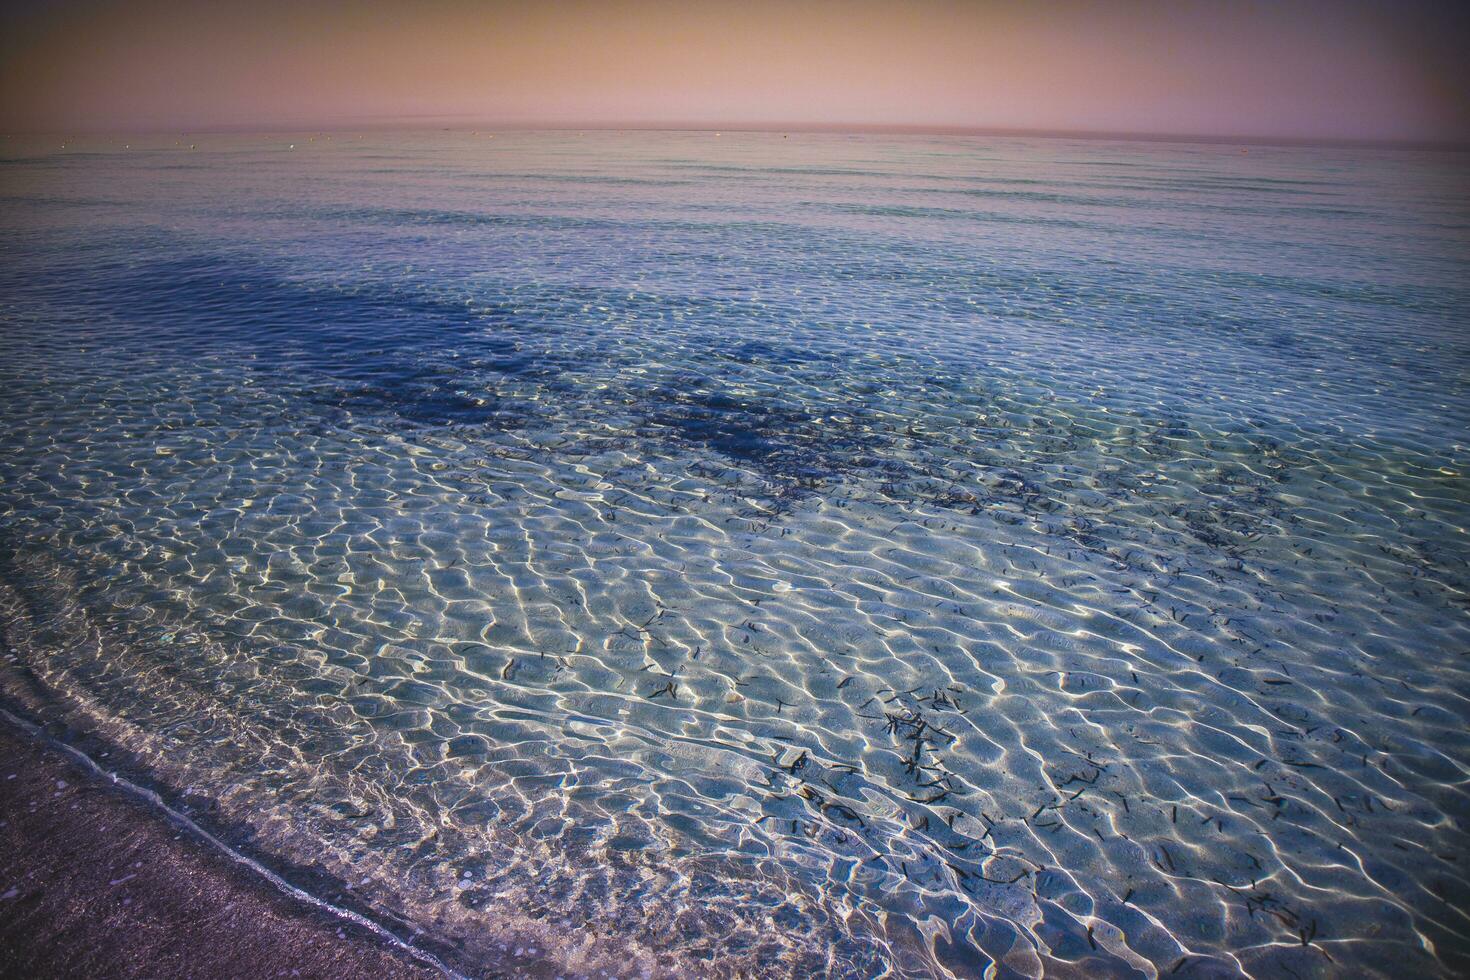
column 1308, row 69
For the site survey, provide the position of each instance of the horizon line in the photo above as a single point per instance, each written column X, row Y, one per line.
column 461, row 121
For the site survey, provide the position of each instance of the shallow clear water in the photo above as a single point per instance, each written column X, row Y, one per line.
column 752, row 555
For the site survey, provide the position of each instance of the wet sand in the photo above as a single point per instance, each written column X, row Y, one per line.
column 96, row 883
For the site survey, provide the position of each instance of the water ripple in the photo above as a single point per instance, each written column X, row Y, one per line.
column 716, row 561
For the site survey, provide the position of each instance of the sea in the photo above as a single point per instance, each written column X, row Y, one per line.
column 745, row 554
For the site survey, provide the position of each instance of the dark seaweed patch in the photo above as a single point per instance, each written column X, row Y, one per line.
column 788, row 443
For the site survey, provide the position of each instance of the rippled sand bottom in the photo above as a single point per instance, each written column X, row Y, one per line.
column 1148, row 696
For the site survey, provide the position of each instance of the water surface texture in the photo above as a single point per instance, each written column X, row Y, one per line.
column 740, row 555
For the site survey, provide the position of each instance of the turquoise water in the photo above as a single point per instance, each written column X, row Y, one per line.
column 743, row 555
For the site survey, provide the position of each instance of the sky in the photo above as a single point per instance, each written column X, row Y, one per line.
column 1298, row 69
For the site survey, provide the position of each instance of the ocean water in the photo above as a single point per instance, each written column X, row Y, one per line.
column 750, row 555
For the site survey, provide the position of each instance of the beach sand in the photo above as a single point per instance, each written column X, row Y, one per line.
column 94, row 882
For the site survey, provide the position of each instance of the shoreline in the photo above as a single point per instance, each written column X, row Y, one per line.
column 95, row 881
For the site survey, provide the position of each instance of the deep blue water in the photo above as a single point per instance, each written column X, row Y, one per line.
column 760, row 555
